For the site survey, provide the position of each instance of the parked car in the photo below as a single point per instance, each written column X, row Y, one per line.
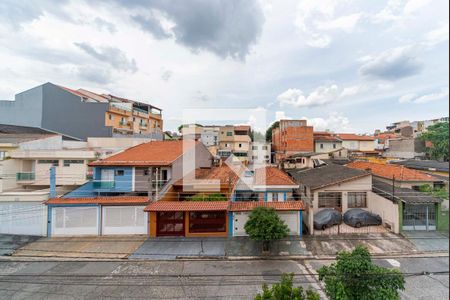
column 357, row 217
column 326, row 218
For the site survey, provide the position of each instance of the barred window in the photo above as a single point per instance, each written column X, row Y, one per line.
column 330, row 199
column 357, row 199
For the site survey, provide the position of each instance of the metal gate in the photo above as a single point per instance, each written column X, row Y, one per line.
column 170, row 223
column 419, row 217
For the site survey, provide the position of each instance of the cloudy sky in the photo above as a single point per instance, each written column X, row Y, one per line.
column 344, row 65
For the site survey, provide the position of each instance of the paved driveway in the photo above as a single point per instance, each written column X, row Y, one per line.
column 171, row 248
column 10, row 243
column 428, row 240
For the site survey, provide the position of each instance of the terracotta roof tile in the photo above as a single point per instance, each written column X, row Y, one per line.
column 272, row 176
column 223, row 173
column 326, row 138
column 156, row 153
column 387, row 171
column 100, row 200
column 250, row 205
column 187, row 206
column 354, row 137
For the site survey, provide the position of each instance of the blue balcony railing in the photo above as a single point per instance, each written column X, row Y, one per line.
column 101, row 184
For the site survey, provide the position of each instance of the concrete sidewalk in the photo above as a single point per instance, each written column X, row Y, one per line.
column 102, row 247
column 9, row 243
column 428, row 241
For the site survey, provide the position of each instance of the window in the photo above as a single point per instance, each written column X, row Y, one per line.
column 275, row 197
column 334, row 146
column 240, row 145
column 264, row 147
column 254, row 147
column 2, row 155
column 111, row 117
column 68, row 162
column 119, row 172
column 207, row 221
column 321, row 146
column 53, row 162
column 330, row 199
column 229, row 133
column 134, row 119
column 357, row 199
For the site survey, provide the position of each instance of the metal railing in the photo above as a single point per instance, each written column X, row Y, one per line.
column 25, row 176
column 101, row 184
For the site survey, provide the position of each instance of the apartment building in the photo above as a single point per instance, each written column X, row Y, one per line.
column 210, row 136
column 80, row 113
column 292, row 136
column 326, row 142
column 235, row 140
column 358, row 144
column 261, row 153
column 415, row 127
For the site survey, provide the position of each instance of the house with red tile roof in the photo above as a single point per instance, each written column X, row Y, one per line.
column 364, row 144
column 123, row 185
column 400, row 175
column 326, row 142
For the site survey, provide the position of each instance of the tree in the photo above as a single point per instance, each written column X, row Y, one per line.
column 265, row 225
column 210, row 197
column 256, row 136
column 437, row 135
column 285, row 291
column 269, row 130
column 354, row 276
column 440, row 193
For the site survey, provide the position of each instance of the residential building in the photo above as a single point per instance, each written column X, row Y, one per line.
column 303, row 160
column 210, row 136
column 261, row 153
column 191, row 131
column 340, row 188
column 81, row 114
column 397, row 175
column 326, row 142
column 415, row 128
column 416, row 211
column 382, row 140
column 363, row 144
column 405, row 148
column 128, row 180
column 292, row 136
column 432, row 166
column 266, row 187
column 236, row 141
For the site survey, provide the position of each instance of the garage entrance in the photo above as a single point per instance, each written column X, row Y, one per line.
column 170, row 223
column 74, row 221
column 124, row 220
column 419, row 217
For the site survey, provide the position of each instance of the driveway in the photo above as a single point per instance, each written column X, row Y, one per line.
column 10, row 242
column 428, row 241
column 83, row 247
column 172, row 248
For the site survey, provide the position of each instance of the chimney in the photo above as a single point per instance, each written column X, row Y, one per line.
column 53, row 182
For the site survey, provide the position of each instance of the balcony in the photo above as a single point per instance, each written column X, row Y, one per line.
column 25, row 176
column 101, row 184
column 123, row 123
column 120, row 110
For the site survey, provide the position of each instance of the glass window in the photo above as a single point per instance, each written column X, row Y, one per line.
column 330, row 199
column 119, row 172
column 240, row 145
column 264, row 147
column 321, row 146
column 254, row 147
column 229, row 133
column 68, row 162
column 110, row 116
column 334, row 146
column 53, row 162
column 207, row 221
column 357, row 199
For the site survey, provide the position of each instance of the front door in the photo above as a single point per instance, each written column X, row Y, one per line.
column 170, row 223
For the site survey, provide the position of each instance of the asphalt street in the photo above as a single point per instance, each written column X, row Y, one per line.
column 220, row 279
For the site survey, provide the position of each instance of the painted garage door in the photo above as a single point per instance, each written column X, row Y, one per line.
column 290, row 218
column 28, row 218
column 74, row 221
column 124, row 220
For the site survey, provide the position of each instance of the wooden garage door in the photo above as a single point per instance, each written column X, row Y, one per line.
column 74, row 221
column 170, row 223
column 124, row 220
column 27, row 218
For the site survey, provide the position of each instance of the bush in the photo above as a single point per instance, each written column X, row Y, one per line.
column 285, row 290
column 211, row 197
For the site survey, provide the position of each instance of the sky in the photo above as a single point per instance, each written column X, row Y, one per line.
column 345, row 66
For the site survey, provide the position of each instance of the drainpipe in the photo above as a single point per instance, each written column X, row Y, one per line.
column 150, row 183
column 53, row 182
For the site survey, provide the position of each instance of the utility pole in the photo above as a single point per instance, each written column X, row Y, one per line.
column 393, row 188
column 150, row 183
column 157, row 183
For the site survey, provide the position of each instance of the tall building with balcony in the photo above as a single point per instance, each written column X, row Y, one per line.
column 291, row 137
column 80, row 114
column 235, row 140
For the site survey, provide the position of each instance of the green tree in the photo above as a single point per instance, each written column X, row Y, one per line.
column 437, row 134
column 265, row 225
column 354, row 276
column 256, row 136
column 269, row 130
column 436, row 192
column 286, row 291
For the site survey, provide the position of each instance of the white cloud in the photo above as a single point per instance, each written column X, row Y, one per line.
column 393, row 64
column 319, row 20
column 320, row 96
column 414, row 98
column 399, row 10
column 438, row 35
column 334, row 122
column 281, row 115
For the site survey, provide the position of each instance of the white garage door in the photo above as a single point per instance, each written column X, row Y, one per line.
column 124, row 220
column 29, row 218
column 290, row 218
column 74, row 221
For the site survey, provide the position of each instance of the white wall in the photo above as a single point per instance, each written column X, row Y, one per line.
column 50, row 143
column 327, row 146
column 386, row 209
column 8, row 170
